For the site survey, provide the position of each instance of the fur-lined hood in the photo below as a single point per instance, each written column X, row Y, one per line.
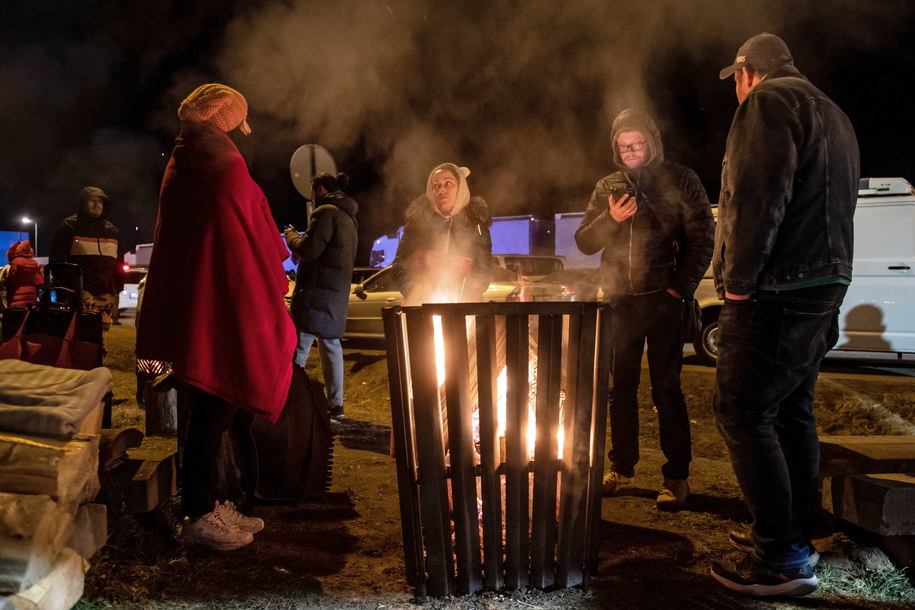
column 476, row 211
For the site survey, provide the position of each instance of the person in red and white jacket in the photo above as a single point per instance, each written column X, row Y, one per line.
column 91, row 241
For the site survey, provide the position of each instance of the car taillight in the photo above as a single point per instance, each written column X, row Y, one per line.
column 569, row 291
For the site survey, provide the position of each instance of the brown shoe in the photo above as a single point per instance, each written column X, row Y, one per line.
column 614, row 482
column 673, row 494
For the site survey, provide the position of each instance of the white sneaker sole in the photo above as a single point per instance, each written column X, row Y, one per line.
column 793, row 588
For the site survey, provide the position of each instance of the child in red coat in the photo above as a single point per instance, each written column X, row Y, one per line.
column 24, row 275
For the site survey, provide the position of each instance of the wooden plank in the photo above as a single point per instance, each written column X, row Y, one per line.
column 570, row 556
column 113, row 446
column 461, row 454
column 517, row 485
column 599, row 408
column 66, row 470
column 403, row 443
column 846, row 455
column 90, row 529
column 33, row 531
column 430, row 453
column 880, row 503
column 546, row 451
column 61, row 588
column 490, row 451
column 155, row 481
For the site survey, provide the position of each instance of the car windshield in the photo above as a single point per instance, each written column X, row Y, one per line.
column 533, row 265
column 383, row 281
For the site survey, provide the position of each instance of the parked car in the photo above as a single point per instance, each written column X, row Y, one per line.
column 363, row 318
column 532, row 266
column 131, row 292
column 876, row 318
column 360, row 274
column 577, row 284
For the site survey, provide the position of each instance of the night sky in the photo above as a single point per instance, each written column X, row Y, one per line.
column 521, row 92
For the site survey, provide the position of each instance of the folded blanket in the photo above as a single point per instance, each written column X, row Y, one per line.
column 46, row 400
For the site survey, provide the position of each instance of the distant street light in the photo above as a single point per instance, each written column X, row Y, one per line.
column 34, row 222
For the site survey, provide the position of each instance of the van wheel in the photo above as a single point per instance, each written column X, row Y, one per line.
column 706, row 344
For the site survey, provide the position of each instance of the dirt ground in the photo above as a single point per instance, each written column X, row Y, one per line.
column 346, row 551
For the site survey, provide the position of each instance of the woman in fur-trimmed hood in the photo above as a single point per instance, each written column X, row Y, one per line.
column 445, row 252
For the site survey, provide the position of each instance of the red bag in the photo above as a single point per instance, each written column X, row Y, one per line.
column 65, row 352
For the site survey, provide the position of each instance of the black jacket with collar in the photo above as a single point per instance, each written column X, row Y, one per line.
column 788, row 190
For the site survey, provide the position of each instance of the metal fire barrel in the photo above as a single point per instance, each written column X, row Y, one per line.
column 486, row 504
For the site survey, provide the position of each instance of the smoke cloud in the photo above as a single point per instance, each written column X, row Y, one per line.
column 523, row 93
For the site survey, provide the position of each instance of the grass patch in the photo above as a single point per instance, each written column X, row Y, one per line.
column 853, row 580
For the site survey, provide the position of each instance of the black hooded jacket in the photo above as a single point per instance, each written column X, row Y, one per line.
column 326, row 253
column 668, row 242
column 92, row 243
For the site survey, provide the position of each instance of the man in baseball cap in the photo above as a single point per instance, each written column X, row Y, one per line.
column 762, row 53
column 782, row 263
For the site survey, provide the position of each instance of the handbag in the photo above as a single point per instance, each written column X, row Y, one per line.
column 692, row 320
column 41, row 348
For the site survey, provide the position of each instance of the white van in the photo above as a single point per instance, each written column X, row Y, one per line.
column 877, row 318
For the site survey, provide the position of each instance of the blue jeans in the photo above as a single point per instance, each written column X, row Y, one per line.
column 657, row 318
column 769, row 356
column 331, row 353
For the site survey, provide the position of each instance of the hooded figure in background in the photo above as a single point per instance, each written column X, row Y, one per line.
column 89, row 240
column 213, row 305
column 23, row 276
column 326, row 253
column 653, row 221
column 446, row 249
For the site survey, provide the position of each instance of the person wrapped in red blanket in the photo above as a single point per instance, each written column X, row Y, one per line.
column 213, row 304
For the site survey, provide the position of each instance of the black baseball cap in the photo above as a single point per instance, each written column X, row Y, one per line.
column 762, row 52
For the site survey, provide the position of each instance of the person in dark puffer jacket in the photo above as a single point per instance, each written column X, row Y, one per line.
column 89, row 240
column 24, row 275
column 446, row 250
column 653, row 221
column 326, row 254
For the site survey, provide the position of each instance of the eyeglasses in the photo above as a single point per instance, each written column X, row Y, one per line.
column 631, row 147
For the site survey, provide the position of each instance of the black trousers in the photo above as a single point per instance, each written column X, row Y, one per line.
column 208, row 419
column 657, row 318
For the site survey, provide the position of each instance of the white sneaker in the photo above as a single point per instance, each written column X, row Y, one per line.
column 230, row 515
column 212, row 531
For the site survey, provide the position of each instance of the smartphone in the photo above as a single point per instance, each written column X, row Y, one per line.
column 619, row 191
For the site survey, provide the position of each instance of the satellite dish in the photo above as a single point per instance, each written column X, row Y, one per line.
column 307, row 162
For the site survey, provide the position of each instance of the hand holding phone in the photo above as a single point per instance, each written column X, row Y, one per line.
column 622, row 204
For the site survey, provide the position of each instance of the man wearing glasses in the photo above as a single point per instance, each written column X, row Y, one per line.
column 653, row 221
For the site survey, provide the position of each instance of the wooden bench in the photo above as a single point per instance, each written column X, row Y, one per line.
column 872, row 485
column 848, row 455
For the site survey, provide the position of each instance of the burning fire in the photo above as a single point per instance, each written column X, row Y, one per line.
column 502, row 391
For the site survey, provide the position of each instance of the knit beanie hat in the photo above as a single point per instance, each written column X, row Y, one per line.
column 222, row 106
column 463, row 194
